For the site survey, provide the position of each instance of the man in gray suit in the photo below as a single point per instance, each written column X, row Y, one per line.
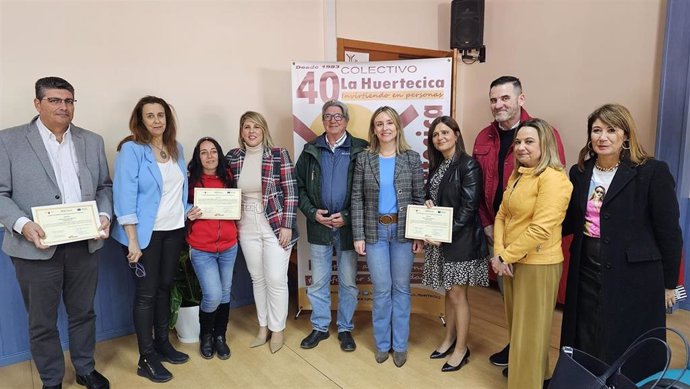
column 45, row 162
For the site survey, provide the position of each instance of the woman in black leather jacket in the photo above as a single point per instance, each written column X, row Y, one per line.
column 455, row 180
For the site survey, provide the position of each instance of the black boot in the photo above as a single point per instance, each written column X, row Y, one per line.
column 219, row 328
column 150, row 366
column 206, row 320
column 164, row 348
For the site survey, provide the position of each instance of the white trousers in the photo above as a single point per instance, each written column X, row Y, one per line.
column 267, row 263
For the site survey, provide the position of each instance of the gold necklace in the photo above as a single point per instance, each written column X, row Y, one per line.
column 606, row 169
column 387, row 155
column 162, row 152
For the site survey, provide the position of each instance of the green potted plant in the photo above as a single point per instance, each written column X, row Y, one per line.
column 185, row 296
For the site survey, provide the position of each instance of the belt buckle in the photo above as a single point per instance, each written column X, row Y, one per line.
column 385, row 219
column 252, row 207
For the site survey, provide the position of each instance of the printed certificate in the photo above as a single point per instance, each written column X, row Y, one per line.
column 435, row 223
column 219, row 203
column 66, row 223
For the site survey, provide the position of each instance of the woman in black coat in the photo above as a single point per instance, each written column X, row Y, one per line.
column 455, row 180
column 625, row 255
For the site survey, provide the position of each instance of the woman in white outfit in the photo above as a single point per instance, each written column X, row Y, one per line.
column 268, row 227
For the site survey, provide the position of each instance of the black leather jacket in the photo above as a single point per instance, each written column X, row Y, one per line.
column 461, row 188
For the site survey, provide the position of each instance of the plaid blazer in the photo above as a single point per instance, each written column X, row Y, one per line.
column 409, row 186
column 278, row 186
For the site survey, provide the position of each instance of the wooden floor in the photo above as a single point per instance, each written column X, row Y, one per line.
column 325, row 366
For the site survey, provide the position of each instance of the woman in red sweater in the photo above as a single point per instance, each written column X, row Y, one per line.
column 213, row 248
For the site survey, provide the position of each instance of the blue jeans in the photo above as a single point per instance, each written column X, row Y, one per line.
column 214, row 271
column 390, row 266
column 319, row 291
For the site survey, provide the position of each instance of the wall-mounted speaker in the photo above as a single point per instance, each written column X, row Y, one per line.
column 467, row 24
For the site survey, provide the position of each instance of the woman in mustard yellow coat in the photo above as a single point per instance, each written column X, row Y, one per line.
column 527, row 248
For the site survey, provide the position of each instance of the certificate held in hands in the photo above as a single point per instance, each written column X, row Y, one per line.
column 435, row 223
column 67, row 223
column 219, row 203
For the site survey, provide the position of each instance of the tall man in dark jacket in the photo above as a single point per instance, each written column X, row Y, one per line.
column 324, row 198
column 493, row 149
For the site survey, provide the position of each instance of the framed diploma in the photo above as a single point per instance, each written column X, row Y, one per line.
column 66, row 223
column 219, row 203
column 435, row 223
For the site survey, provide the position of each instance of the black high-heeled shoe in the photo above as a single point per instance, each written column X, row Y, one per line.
column 448, row 367
column 439, row 355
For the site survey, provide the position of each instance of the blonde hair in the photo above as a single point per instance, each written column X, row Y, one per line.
column 547, row 146
column 261, row 121
column 617, row 116
column 401, row 143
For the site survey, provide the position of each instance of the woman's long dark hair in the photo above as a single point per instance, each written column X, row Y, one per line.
column 196, row 169
column 141, row 135
column 435, row 156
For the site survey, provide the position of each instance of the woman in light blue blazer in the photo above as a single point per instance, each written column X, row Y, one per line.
column 150, row 202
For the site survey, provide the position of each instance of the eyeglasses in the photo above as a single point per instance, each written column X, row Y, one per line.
column 337, row 117
column 138, row 269
column 58, row 101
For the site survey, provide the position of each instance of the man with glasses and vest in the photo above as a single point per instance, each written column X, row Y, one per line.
column 493, row 149
column 324, row 177
column 50, row 161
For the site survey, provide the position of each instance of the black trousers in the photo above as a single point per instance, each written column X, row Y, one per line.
column 152, row 297
column 588, row 333
column 71, row 274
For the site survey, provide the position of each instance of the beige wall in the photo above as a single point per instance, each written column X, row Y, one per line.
column 212, row 60
column 215, row 59
column 571, row 55
column 415, row 23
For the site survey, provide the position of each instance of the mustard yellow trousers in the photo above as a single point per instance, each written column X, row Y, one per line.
column 530, row 297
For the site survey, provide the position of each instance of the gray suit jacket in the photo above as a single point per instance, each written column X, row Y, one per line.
column 409, row 187
column 27, row 179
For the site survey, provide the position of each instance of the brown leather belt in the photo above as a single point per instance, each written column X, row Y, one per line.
column 388, row 219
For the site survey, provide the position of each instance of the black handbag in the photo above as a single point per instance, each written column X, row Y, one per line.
column 576, row 369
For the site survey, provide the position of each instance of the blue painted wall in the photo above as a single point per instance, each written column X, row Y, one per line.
column 673, row 132
column 113, row 305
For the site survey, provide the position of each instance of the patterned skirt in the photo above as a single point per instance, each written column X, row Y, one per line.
column 440, row 274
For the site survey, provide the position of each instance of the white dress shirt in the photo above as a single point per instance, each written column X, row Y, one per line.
column 63, row 158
